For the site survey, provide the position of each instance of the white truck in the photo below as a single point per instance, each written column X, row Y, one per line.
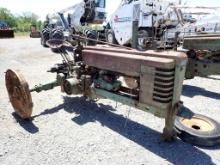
column 154, row 18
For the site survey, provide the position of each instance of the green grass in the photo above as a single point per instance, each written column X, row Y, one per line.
column 22, row 34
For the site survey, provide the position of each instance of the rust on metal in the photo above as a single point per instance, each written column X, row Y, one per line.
column 178, row 56
column 204, row 42
column 19, row 94
column 127, row 64
column 156, row 84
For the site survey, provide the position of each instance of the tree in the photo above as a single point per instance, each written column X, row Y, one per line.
column 27, row 19
column 8, row 17
column 39, row 25
column 20, row 22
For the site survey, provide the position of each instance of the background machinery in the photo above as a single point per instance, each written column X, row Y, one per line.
column 204, row 55
column 74, row 20
column 201, row 42
column 34, row 32
column 146, row 20
column 56, row 27
column 5, row 31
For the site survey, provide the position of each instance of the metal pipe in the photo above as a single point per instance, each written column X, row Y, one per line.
column 44, row 87
column 115, row 45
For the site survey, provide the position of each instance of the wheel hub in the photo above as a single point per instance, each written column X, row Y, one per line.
column 198, row 124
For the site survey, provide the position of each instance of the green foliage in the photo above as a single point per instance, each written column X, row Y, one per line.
column 8, row 17
column 20, row 23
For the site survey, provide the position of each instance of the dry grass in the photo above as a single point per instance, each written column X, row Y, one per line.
column 22, row 34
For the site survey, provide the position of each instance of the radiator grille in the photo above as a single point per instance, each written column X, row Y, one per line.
column 163, row 85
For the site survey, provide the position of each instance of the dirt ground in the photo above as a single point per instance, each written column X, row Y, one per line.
column 70, row 130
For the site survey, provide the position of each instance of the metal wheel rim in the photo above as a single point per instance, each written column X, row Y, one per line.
column 198, row 124
column 19, row 93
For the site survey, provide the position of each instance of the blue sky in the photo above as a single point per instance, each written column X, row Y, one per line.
column 51, row 5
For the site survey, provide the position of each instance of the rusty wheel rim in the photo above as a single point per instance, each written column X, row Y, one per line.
column 198, row 124
column 19, row 93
